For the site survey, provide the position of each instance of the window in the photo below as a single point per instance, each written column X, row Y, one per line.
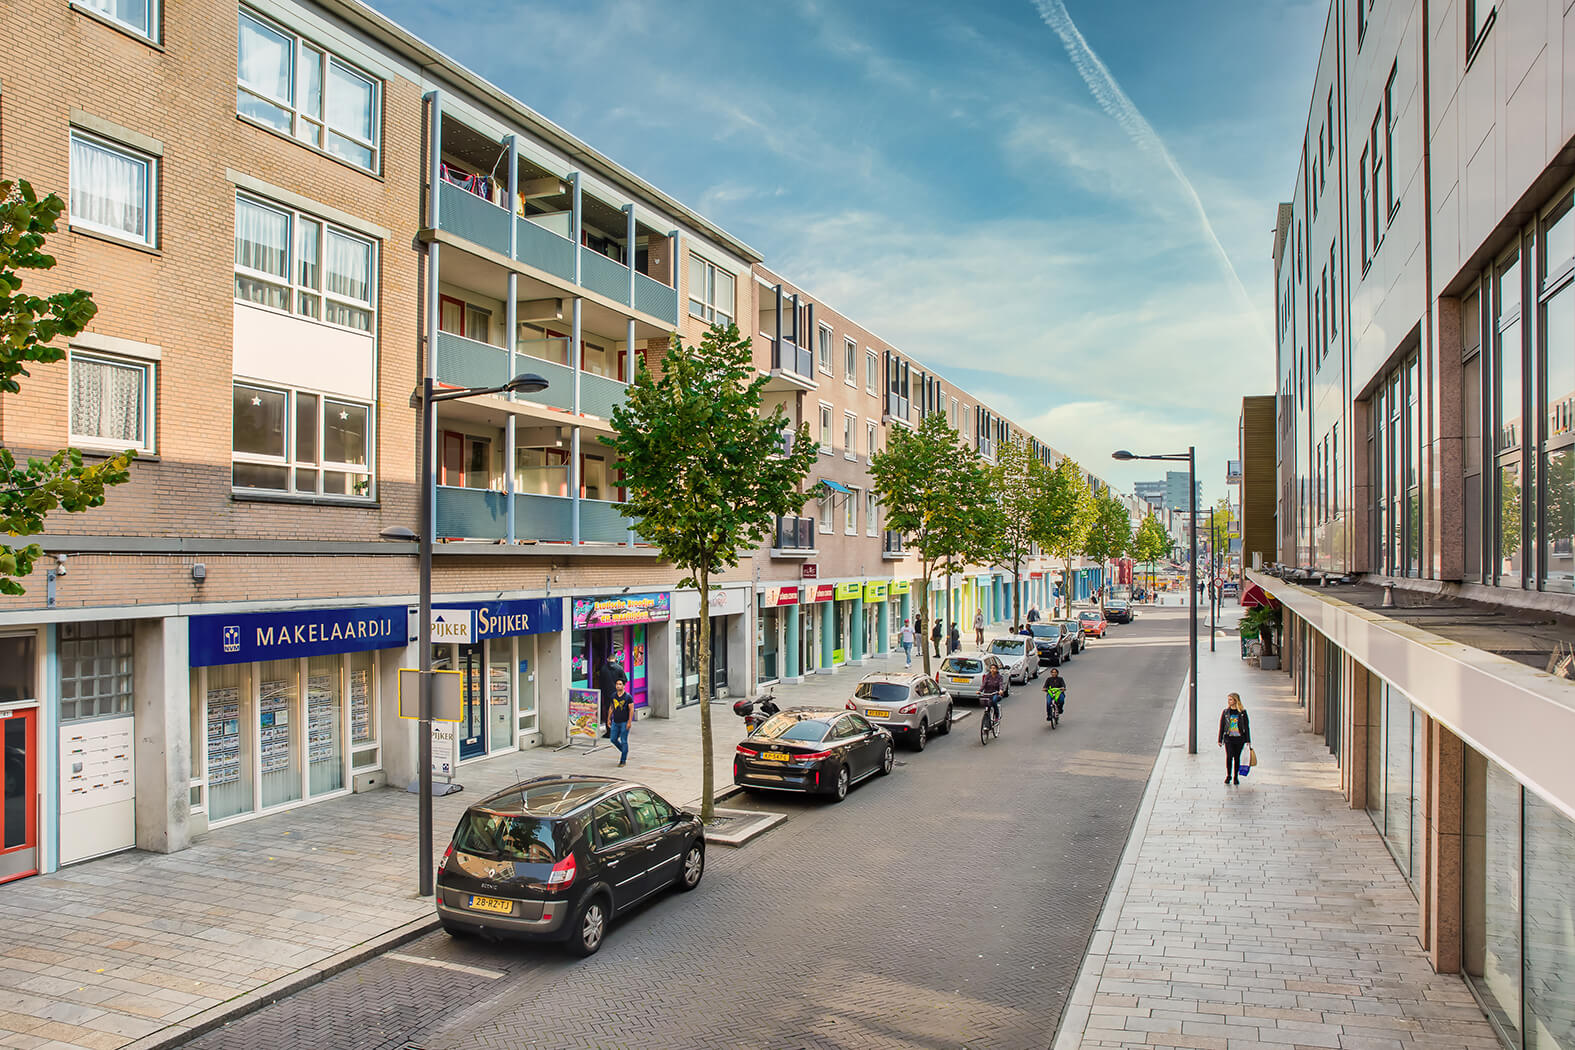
column 1334, row 296
column 850, row 424
column 114, row 190
column 850, row 512
column 1479, row 19
column 850, row 362
column 111, row 401
column 870, row 438
column 293, row 86
column 827, row 502
column 301, row 442
column 825, row 428
column 870, row 383
column 650, row 812
column 289, row 261
column 95, row 670
column 139, row 16
column 1362, row 9
column 823, row 350
column 711, row 292
column 1361, row 171
column 610, row 822
column 1390, row 204
column 870, row 516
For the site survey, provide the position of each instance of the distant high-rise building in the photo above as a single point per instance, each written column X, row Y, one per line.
column 1176, row 491
column 1151, row 492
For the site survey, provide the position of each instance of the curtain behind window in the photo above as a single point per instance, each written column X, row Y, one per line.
column 109, row 189
column 106, row 400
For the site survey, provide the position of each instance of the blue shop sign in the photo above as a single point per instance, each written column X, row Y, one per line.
column 515, row 616
column 243, row 638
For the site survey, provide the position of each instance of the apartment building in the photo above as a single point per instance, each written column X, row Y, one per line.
column 290, row 212
column 1425, row 280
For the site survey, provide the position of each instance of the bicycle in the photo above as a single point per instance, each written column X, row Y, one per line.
column 989, row 719
column 1053, row 704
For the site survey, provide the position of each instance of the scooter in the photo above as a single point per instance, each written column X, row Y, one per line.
column 756, row 711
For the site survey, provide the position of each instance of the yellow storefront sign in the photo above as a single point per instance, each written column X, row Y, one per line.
column 845, row 591
column 875, row 591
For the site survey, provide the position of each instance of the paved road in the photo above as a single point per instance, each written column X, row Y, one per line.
column 945, row 906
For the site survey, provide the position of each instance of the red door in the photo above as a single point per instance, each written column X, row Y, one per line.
column 19, row 806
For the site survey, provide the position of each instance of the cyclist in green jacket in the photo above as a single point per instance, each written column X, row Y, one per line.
column 1055, row 693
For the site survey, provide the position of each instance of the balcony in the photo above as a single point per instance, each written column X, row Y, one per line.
column 891, row 546
column 545, row 519
column 795, row 538
column 896, row 409
column 601, row 522
column 482, row 515
column 471, row 514
column 468, row 363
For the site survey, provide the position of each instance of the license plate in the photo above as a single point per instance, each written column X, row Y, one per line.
column 957, row 679
column 491, row 904
column 776, row 756
column 873, row 712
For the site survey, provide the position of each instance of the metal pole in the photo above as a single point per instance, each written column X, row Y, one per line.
column 1213, row 581
column 424, row 724
column 1191, row 572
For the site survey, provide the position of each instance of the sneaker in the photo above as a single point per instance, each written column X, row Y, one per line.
column 622, row 763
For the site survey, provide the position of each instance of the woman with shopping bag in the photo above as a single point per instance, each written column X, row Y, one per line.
column 1235, row 736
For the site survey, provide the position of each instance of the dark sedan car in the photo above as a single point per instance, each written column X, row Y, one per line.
column 1118, row 610
column 559, row 857
column 813, row 750
column 1054, row 642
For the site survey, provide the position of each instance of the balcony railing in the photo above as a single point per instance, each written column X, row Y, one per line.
column 600, row 395
column 471, row 514
column 601, row 522
column 546, row 519
column 891, row 545
column 897, row 406
column 786, row 357
column 481, row 514
column 795, row 534
column 466, row 362
column 479, row 221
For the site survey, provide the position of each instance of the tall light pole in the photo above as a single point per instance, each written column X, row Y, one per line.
column 1192, row 584
column 1213, row 579
column 526, row 383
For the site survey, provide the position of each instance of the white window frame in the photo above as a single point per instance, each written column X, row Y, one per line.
column 151, row 7
column 871, row 438
column 850, row 361
column 322, row 465
column 313, row 131
column 704, row 305
column 295, row 288
column 871, row 501
column 850, row 435
column 826, row 416
column 850, row 511
column 827, row 512
column 871, row 371
column 150, row 238
column 149, row 399
column 823, row 349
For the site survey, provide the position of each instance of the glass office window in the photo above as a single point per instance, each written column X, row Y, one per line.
column 325, row 739
column 1492, row 881
column 278, row 731
column 1398, row 804
column 1549, row 927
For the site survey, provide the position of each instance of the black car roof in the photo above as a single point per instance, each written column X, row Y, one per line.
column 553, row 795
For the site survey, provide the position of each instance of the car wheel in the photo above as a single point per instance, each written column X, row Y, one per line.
column 921, row 735
column 839, row 790
column 590, row 926
column 949, row 716
column 694, row 866
column 1006, row 687
column 888, row 761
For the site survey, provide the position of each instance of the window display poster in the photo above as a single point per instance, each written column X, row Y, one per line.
column 361, row 706
column 274, row 723
column 224, row 736
column 623, row 609
column 322, row 718
column 585, row 706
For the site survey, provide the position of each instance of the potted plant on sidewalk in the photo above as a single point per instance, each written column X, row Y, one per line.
column 1263, row 623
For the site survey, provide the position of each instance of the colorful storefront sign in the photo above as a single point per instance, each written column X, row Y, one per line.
column 851, row 590
column 478, row 621
column 243, row 638
column 820, row 592
column 622, row 609
column 901, row 587
column 772, row 597
column 875, row 591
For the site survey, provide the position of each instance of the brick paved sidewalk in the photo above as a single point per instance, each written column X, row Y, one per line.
column 1262, row 916
column 141, row 947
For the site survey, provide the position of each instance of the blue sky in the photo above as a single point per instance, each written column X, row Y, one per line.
column 964, row 180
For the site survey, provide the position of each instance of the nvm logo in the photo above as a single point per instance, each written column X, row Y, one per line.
column 232, row 639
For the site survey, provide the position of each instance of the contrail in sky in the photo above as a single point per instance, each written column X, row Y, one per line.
column 1115, row 102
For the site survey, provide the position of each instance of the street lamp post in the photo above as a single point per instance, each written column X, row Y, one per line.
column 1192, row 584
column 525, row 382
column 1213, row 579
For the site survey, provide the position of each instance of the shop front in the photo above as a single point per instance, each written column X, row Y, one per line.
column 815, row 622
column 729, row 670
column 21, row 656
column 848, row 644
column 286, row 706
column 877, row 619
column 777, row 635
column 493, row 645
column 617, row 626
column 898, row 602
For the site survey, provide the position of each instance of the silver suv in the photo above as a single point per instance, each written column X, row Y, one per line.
column 911, row 706
column 1019, row 657
column 963, row 676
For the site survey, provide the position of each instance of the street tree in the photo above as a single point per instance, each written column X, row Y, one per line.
column 706, row 474
column 1109, row 532
column 1065, row 512
column 1150, row 543
column 29, row 326
column 936, row 492
column 1219, row 532
column 1018, row 478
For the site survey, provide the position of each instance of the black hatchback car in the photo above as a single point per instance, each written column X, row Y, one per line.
column 814, row 750
column 559, row 857
column 1054, row 642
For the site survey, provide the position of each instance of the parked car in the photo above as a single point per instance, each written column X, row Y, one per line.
column 1118, row 610
column 1229, row 589
column 1079, row 639
column 560, row 857
column 962, row 677
column 813, row 750
column 1018, row 656
column 1053, row 641
column 910, row 706
column 1093, row 622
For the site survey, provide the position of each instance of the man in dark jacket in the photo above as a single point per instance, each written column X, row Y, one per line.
column 935, row 635
column 608, row 675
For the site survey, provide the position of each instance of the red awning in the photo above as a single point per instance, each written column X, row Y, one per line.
column 1254, row 596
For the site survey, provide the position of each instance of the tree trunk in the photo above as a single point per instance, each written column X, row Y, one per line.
column 1017, row 594
column 707, row 777
column 922, row 633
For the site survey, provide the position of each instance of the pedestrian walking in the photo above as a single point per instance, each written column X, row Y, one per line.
column 1033, row 614
column 608, row 675
column 619, row 712
column 935, row 635
column 906, row 637
column 954, row 639
column 1235, row 735
column 978, row 628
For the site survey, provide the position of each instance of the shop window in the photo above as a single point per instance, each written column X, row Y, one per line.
column 279, row 731
column 114, row 190
column 95, row 670
column 301, row 442
column 230, row 738
column 111, row 402
column 362, row 681
column 1492, row 861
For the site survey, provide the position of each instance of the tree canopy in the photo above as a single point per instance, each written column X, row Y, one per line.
column 1019, row 478
column 1109, row 532
column 1065, row 512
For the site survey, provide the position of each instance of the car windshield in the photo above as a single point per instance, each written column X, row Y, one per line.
column 1088, row 616
column 884, row 692
column 787, row 727
column 1046, row 630
column 1007, row 646
column 962, row 665
column 503, row 837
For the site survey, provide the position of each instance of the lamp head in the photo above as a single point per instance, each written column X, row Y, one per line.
column 526, row 383
column 398, row 532
column 1122, row 454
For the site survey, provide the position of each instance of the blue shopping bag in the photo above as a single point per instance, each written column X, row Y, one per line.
column 1243, row 767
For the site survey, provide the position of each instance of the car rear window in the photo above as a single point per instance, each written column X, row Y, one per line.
column 885, row 692
column 503, row 837
column 786, row 727
column 1046, row 630
column 1007, row 645
column 961, row 665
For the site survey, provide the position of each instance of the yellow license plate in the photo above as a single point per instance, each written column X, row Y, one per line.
column 874, row 712
column 957, row 679
column 491, row 904
column 776, row 756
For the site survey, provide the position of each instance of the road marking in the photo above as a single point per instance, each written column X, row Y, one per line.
column 474, row 971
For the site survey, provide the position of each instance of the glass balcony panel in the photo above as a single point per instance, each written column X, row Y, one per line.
column 600, row 395
column 547, row 519
column 543, row 356
column 601, row 522
column 471, row 514
column 545, row 250
column 465, row 362
column 604, row 276
column 655, row 298
column 466, row 215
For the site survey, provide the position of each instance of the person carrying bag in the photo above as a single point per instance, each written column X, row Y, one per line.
column 1235, row 736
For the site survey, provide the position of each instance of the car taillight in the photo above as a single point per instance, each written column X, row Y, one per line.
column 849, row 706
column 751, row 752
column 562, row 873
column 813, row 757
column 448, row 853
column 909, row 709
